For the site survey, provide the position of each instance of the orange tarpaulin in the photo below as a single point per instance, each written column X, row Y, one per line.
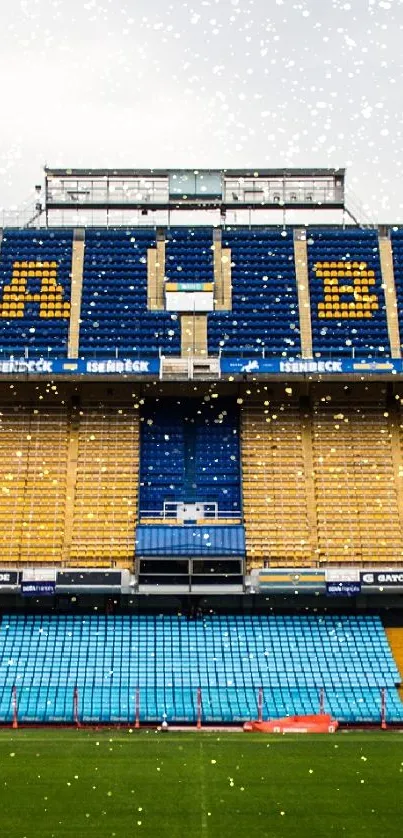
column 320, row 723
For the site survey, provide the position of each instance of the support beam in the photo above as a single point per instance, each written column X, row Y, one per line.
column 193, row 335
column 222, row 274
column 77, row 275
column 304, row 300
column 152, row 279
column 388, row 282
column 200, row 333
column 156, row 274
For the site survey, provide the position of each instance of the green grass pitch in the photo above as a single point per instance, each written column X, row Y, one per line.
column 116, row 784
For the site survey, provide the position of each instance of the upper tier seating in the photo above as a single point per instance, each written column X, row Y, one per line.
column 189, row 254
column 347, row 300
column 114, row 310
column 264, row 314
column 169, row 657
column 35, row 278
column 189, row 453
column 397, row 248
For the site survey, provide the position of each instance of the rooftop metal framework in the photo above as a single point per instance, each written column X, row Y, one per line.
column 193, row 189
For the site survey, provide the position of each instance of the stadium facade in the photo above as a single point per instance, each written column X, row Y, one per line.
column 201, row 451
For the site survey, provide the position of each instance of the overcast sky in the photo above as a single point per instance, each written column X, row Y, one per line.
column 204, row 83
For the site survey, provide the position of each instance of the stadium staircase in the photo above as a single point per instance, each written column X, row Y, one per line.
column 169, row 657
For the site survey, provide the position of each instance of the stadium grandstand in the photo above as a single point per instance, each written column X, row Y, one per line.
column 201, row 440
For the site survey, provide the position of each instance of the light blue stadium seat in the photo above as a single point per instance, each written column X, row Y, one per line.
column 225, row 656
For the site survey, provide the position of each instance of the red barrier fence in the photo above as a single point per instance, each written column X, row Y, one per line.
column 199, row 707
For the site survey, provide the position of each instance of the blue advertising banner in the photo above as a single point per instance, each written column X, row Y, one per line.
column 268, row 366
column 38, row 588
column 228, row 366
column 343, row 588
column 78, row 366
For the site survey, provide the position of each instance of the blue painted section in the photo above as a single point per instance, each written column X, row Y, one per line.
column 190, row 452
column 367, row 336
column 39, row 335
column 169, row 657
column 264, row 311
column 114, row 310
column 206, row 541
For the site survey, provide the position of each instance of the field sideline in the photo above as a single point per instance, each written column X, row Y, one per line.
column 116, row 783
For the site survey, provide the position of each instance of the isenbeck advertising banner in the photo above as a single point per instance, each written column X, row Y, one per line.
column 322, row 366
column 78, row 366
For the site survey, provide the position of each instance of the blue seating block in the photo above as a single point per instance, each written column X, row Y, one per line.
column 114, row 310
column 40, row 336
column 169, row 657
column 397, row 249
column 189, row 452
column 359, row 336
column 189, row 254
column 264, row 316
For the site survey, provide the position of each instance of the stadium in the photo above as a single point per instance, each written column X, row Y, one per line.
column 201, row 503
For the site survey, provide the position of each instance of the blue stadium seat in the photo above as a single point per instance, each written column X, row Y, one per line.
column 169, row 657
column 347, row 299
column 189, row 254
column 397, row 249
column 190, row 452
column 31, row 262
column 264, row 316
column 114, row 311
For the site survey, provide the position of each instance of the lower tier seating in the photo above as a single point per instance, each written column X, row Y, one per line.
column 33, row 464
column 356, row 490
column 275, row 500
column 105, row 502
column 169, row 657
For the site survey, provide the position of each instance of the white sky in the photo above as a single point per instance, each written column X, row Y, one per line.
column 217, row 83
